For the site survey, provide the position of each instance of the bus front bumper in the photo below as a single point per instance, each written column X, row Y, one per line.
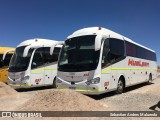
column 89, row 90
column 16, row 86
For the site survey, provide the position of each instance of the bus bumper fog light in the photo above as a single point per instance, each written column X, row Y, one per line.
column 25, row 78
column 93, row 81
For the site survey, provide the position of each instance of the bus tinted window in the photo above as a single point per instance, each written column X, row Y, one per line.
column 113, row 49
column 1, row 55
column 55, row 54
column 51, row 58
column 116, row 48
column 130, row 49
column 38, row 58
column 1, row 60
column 105, row 54
column 48, row 57
column 5, row 62
column 139, row 52
column 7, row 59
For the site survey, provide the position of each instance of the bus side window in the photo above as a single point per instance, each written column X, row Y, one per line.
column 7, row 60
column 38, row 58
column 1, row 64
column 55, row 54
column 47, row 58
column 116, row 49
column 51, row 58
column 131, row 49
column 106, row 53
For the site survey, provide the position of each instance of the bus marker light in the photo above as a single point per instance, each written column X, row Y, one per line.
column 99, row 28
column 106, row 83
column 37, row 80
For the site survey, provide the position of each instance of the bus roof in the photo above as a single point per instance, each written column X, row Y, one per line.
column 4, row 49
column 39, row 42
column 103, row 31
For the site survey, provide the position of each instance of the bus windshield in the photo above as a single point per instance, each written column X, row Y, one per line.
column 78, row 54
column 18, row 62
column 1, row 55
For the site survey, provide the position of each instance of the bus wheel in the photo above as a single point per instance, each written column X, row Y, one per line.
column 150, row 79
column 54, row 83
column 120, row 86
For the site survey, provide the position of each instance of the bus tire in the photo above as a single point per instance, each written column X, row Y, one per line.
column 120, row 86
column 150, row 79
column 54, row 83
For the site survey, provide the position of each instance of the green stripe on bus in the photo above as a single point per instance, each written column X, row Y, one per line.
column 42, row 70
column 50, row 68
column 81, row 89
column 20, row 85
column 109, row 69
column 37, row 71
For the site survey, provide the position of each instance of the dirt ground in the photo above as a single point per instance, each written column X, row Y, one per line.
column 48, row 100
column 137, row 98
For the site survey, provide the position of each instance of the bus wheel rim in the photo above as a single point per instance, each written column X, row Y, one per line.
column 120, row 85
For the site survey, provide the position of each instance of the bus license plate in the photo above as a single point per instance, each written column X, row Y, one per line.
column 73, row 88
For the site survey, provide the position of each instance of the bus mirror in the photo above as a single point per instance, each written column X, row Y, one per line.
column 4, row 55
column 25, row 52
column 98, row 42
column 53, row 46
column 52, row 49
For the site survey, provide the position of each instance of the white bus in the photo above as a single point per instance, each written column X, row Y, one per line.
column 96, row 60
column 34, row 63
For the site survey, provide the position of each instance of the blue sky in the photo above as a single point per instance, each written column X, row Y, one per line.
column 138, row 20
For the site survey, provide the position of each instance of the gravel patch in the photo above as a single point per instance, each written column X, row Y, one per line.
column 6, row 90
column 131, row 102
column 141, row 99
column 61, row 100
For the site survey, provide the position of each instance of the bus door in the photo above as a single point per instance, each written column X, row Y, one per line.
column 106, row 66
column 112, row 60
column 47, row 66
column 37, row 67
column 50, row 67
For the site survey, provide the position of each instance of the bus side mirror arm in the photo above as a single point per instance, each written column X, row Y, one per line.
column 52, row 49
column 4, row 55
column 25, row 52
column 98, row 42
column 53, row 46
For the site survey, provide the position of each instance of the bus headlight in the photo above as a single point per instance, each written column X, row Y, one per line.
column 93, row 81
column 58, row 80
column 25, row 78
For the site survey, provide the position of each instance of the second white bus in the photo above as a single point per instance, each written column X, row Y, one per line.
column 96, row 60
column 34, row 63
